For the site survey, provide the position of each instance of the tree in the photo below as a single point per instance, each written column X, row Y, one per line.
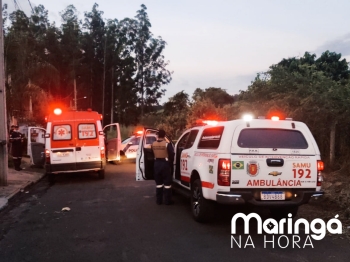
column 71, row 55
column 151, row 69
column 93, row 58
column 307, row 92
column 333, row 67
column 25, row 60
column 203, row 110
column 217, row 95
column 120, row 70
column 175, row 114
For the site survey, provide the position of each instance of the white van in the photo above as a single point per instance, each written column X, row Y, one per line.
column 76, row 142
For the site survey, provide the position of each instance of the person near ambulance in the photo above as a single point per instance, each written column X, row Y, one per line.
column 16, row 138
column 164, row 156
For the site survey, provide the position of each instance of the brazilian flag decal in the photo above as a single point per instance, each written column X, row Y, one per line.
column 237, row 164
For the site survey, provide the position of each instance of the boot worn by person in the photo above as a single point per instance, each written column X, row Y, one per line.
column 159, row 195
column 17, row 163
column 167, row 196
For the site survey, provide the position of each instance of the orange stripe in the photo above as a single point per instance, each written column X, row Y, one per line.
column 207, row 184
column 185, row 178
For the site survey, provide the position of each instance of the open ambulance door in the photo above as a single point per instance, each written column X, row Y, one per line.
column 112, row 141
column 36, row 145
column 145, row 156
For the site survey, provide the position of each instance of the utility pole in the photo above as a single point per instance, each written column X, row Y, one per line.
column 3, row 119
column 112, row 96
column 75, row 93
column 104, row 79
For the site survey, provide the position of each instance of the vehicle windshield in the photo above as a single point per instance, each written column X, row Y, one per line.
column 271, row 138
column 126, row 140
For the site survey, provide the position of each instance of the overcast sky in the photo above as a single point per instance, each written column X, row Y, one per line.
column 225, row 43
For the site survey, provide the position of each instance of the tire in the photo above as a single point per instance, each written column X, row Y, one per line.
column 101, row 174
column 283, row 212
column 202, row 209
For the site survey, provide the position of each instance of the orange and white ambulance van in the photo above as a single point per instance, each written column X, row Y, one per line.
column 76, row 142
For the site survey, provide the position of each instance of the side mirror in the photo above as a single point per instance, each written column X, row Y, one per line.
column 47, row 135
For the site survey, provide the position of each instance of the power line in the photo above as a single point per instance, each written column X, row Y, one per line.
column 30, row 5
column 16, row 5
column 20, row 7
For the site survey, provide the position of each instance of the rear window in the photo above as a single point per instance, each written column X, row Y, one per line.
column 211, row 138
column 191, row 138
column 271, row 138
column 62, row 132
column 86, row 131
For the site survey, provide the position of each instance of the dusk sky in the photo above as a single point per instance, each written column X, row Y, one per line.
column 226, row 43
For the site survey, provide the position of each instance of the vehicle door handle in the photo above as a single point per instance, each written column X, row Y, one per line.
column 78, row 148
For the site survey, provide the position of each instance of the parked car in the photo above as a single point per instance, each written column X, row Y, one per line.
column 130, row 145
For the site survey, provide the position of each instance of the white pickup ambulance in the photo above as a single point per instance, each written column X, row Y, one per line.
column 263, row 162
column 74, row 142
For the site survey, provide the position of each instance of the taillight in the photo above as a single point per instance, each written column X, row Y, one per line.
column 102, row 152
column 224, row 172
column 47, row 156
column 320, row 167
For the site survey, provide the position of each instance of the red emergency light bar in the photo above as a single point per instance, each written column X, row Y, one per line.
column 210, row 122
column 57, row 111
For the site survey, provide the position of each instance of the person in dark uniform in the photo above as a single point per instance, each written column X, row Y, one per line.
column 164, row 156
column 11, row 129
column 16, row 138
column 10, row 132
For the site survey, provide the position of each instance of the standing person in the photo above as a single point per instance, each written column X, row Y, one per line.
column 164, row 156
column 10, row 133
column 11, row 129
column 16, row 138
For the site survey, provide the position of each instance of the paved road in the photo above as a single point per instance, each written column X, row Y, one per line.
column 116, row 219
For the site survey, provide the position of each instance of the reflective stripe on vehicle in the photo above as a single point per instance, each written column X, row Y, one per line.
column 207, row 184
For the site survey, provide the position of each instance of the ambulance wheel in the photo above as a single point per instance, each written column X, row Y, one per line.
column 51, row 178
column 202, row 209
column 101, row 174
column 283, row 212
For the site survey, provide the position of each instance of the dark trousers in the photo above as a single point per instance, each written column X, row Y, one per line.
column 163, row 178
column 17, row 163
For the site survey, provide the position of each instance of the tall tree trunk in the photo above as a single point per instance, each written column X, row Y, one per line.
column 332, row 144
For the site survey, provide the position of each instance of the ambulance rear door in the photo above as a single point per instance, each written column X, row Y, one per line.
column 87, row 146
column 63, row 144
column 113, row 141
column 273, row 155
column 145, row 156
column 36, row 145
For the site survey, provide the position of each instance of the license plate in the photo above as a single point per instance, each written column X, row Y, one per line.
column 62, row 154
column 272, row 195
